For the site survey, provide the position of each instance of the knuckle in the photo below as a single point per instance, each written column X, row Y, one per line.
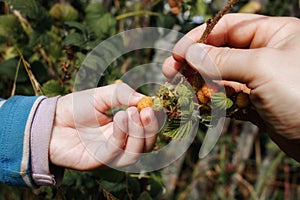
column 222, row 57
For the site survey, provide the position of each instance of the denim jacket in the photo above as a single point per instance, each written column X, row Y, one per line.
column 16, row 120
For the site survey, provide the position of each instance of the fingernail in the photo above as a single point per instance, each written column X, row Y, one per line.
column 137, row 96
column 148, row 114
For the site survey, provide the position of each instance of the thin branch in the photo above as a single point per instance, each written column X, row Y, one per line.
column 35, row 84
column 13, row 91
column 136, row 13
column 52, row 70
column 24, row 23
column 247, row 185
column 210, row 24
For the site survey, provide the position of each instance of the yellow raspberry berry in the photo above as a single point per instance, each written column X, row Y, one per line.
column 144, row 103
column 242, row 100
column 205, row 93
column 118, row 81
column 201, row 97
column 175, row 10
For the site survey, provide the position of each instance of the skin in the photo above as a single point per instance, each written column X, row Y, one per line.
column 85, row 138
column 257, row 51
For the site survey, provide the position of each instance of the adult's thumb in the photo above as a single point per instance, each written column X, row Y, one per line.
column 222, row 62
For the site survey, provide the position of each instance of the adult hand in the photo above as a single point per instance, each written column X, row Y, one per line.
column 84, row 137
column 261, row 52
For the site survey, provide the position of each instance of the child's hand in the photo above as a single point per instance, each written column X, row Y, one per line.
column 84, row 137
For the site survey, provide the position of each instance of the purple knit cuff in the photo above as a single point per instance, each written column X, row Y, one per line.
column 43, row 172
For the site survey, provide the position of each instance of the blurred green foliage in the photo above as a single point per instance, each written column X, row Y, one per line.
column 54, row 37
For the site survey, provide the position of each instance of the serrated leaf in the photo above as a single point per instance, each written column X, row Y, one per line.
column 103, row 26
column 76, row 25
column 74, row 39
column 63, row 12
column 221, row 101
column 102, row 23
column 178, row 130
column 94, row 10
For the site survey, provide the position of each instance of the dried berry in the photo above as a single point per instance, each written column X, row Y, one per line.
column 144, row 103
column 175, row 10
column 242, row 100
column 174, row 3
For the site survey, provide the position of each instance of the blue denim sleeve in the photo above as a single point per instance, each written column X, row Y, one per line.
column 15, row 120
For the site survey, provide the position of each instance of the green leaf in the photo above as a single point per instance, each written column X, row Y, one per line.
column 112, row 186
column 102, row 23
column 221, row 101
column 39, row 38
column 7, row 25
column 63, row 12
column 76, row 25
column 53, row 88
column 94, row 10
column 166, row 21
column 156, row 185
column 40, row 71
column 111, row 175
column 134, row 186
column 40, row 19
column 29, row 8
column 74, row 39
column 145, row 196
column 178, row 129
column 183, row 90
column 8, row 68
column 103, row 26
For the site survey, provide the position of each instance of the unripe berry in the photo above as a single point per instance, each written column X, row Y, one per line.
column 242, row 100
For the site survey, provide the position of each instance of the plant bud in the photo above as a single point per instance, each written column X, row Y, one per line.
column 157, row 105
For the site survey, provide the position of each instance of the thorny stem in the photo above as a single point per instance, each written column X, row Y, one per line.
column 136, row 13
column 210, row 24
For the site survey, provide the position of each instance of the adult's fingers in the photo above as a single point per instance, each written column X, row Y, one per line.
column 234, row 30
column 241, row 65
column 171, row 67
